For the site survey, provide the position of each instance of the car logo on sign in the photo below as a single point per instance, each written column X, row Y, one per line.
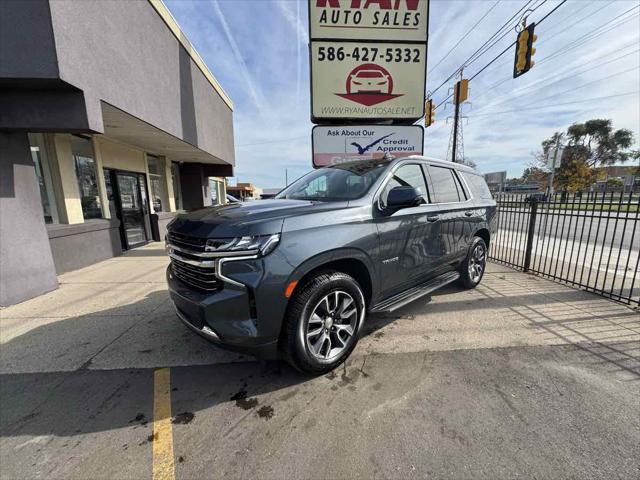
column 369, row 84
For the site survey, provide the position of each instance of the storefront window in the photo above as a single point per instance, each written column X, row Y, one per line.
column 87, row 179
column 217, row 191
column 159, row 197
column 214, row 192
column 44, row 198
column 43, row 174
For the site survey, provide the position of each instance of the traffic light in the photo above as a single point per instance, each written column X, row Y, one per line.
column 429, row 113
column 524, row 51
column 461, row 91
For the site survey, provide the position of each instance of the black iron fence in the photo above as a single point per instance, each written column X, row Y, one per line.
column 589, row 241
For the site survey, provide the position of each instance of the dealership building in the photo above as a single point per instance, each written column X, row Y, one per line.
column 110, row 122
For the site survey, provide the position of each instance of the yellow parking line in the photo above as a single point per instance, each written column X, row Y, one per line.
column 163, row 463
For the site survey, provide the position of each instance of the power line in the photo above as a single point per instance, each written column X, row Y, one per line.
column 572, row 89
column 572, row 73
column 506, row 49
column 571, row 69
column 514, row 42
column 464, row 36
column 527, row 12
column 593, row 99
column 574, row 43
column 562, row 22
column 568, row 27
column 591, row 35
column 529, row 2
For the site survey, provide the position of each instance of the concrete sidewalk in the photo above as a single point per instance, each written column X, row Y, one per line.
column 519, row 377
column 117, row 314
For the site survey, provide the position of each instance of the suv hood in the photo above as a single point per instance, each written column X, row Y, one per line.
column 260, row 217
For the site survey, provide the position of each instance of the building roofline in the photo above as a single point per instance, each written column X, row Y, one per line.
column 171, row 22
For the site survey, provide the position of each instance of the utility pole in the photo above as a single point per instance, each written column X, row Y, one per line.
column 456, row 116
column 552, row 160
column 286, row 177
column 553, row 171
column 460, row 95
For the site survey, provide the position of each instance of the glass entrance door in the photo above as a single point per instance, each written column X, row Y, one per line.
column 132, row 211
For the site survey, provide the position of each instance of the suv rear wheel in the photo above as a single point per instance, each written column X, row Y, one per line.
column 474, row 265
column 323, row 322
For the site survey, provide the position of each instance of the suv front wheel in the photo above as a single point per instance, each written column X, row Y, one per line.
column 323, row 322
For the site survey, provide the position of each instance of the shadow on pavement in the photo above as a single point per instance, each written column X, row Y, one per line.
column 63, row 393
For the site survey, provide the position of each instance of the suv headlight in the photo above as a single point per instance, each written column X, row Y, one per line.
column 249, row 245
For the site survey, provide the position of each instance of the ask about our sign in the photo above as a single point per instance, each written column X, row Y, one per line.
column 334, row 144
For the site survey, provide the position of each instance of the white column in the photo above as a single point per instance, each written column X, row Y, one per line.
column 102, row 186
column 64, row 175
column 168, row 178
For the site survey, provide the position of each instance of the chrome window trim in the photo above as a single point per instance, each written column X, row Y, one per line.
column 390, row 175
column 462, row 204
column 421, row 162
column 466, row 184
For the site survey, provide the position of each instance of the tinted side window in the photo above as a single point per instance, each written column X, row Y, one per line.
column 477, row 185
column 445, row 185
column 407, row 175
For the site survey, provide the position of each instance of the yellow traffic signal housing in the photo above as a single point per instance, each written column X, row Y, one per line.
column 524, row 51
column 429, row 113
column 461, row 91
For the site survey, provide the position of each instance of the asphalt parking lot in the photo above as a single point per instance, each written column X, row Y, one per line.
column 521, row 377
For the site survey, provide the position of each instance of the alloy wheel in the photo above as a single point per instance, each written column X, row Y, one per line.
column 477, row 263
column 332, row 325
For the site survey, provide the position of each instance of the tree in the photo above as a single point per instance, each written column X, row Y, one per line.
column 615, row 182
column 574, row 175
column 589, row 145
column 469, row 163
column 535, row 174
column 598, row 144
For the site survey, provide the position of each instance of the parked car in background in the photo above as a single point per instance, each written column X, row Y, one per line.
column 297, row 276
column 231, row 199
column 539, row 196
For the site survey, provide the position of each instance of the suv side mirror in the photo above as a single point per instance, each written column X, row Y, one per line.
column 404, row 197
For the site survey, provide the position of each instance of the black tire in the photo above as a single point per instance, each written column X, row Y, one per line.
column 466, row 278
column 305, row 301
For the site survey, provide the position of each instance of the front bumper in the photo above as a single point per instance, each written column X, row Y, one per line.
column 239, row 316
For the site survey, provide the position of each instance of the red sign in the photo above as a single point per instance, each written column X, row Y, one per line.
column 369, row 84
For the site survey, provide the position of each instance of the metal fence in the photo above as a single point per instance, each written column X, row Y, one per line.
column 589, row 241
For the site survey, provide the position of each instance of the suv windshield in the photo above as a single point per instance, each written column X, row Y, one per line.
column 346, row 181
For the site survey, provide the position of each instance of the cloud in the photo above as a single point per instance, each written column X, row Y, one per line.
column 258, row 51
column 254, row 90
column 295, row 22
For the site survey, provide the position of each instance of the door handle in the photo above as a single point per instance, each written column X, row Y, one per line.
column 468, row 213
column 433, row 218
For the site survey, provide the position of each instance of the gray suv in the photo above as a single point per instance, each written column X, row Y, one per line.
column 296, row 276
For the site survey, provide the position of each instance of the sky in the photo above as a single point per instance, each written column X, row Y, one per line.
column 587, row 66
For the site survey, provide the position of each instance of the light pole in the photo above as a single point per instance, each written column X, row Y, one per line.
column 554, row 159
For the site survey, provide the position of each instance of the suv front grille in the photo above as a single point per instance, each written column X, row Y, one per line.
column 202, row 278
column 187, row 242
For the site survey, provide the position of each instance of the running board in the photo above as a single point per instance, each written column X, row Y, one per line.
column 403, row 298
